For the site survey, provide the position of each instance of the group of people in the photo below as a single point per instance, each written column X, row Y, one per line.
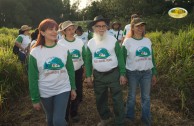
column 56, row 68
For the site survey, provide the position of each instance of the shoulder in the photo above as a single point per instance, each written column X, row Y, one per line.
column 61, row 42
column 127, row 26
column 147, row 39
column 111, row 38
column 127, row 40
column 34, row 51
column 79, row 41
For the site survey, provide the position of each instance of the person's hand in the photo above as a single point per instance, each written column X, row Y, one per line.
column 123, row 80
column 153, row 80
column 89, row 81
column 37, row 106
column 73, row 94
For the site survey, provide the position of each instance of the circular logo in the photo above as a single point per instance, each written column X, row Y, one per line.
column 177, row 12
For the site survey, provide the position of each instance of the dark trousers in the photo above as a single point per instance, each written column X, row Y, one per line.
column 72, row 108
column 23, row 59
column 102, row 82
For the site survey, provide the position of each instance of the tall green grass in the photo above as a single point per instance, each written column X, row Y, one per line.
column 174, row 55
column 13, row 81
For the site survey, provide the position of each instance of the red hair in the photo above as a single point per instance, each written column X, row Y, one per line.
column 43, row 26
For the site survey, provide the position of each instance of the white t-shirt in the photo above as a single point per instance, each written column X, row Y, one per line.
column 115, row 33
column 126, row 29
column 139, row 54
column 75, row 49
column 84, row 38
column 53, row 77
column 103, row 54
column 25, row 41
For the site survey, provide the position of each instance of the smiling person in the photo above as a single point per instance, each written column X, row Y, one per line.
column 104, row 59
column 51, row 74
column 141, row 70
column 77, row 51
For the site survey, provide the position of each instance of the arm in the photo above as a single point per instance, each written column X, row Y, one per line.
column 124, row 52
column 33, row 76
column 70, row 71
column 84, row 54
column 88, row 63
column 18, row 42
column 121, row 64
column 154, row 71
column 88, row 67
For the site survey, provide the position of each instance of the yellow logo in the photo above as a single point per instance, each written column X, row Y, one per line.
column 177, row 12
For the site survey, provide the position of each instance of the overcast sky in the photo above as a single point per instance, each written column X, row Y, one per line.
column 83, row 3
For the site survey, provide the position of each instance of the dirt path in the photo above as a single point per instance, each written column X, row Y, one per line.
column 163, row 113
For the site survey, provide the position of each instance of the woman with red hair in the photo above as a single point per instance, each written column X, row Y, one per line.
column 51, row 74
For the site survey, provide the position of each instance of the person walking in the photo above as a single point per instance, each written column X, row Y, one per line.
column 116, row 31
column 128, row 26
column 105, row 60
column 141, row 70
column 51, row 74
column 77, row 51
column 23, row 42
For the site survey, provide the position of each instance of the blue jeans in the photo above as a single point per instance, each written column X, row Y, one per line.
column 55, row 109
column 143, row 79
column 22, row 57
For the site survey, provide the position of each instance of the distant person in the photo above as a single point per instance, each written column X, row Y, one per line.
column 128, row 26
column 77, row 51
column 34, row 37
column 59, row 34
column 116, row 31
column 81, row 35
column 51, row 75
column 104, row 59
column 141, row 70
column 23, row 42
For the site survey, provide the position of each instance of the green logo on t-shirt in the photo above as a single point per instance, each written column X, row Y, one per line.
column 75, row 54
column 101, row 53
column 143, row 52
column 53, row 63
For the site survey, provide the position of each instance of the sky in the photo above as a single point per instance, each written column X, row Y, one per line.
column 83, row 3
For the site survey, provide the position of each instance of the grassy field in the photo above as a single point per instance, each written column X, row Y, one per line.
column 172, row 99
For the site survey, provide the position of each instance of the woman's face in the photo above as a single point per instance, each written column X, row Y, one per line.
column 116, row 26
column 50, row 34
column 70, row 31
column 27, row 32
column 140, row 29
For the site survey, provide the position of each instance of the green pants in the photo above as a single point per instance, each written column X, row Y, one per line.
column 102, row 82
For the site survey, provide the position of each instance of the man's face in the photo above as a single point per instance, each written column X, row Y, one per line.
column 100, row 28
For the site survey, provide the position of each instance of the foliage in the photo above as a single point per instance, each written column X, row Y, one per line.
column 13, row 81
column 174, row 57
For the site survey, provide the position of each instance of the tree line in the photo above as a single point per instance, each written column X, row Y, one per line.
column 16, row 13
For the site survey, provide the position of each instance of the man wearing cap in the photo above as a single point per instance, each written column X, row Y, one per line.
column 23, row 42
column 116, row 31
column 77, row 51
column 104, row 58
